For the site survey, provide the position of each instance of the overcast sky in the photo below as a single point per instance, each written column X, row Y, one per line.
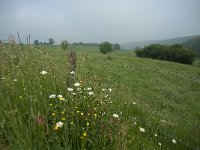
column 99, row 20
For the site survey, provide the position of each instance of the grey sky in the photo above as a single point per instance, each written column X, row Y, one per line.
column 99, row 20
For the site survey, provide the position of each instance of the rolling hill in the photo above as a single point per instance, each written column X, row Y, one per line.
column 193, row 44
column 178, row 40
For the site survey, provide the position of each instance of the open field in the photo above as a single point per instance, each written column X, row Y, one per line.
column 157, row 103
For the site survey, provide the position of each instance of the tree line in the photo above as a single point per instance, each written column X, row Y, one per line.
column 176, row 53
column 51, row 42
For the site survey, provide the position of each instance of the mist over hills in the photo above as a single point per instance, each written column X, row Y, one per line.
column 193, row 44
column 141, row 44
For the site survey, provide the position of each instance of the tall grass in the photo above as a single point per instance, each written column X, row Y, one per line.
column 40, row 110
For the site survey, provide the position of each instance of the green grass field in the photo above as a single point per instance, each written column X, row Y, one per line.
column 157, row 103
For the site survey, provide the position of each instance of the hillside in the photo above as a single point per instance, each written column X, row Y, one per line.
column 193, row 44
column 141, row 44
column 118, row 102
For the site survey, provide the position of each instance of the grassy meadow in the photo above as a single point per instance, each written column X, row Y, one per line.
column 113, row 101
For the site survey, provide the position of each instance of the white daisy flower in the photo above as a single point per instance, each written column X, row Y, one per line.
column 59, row 96
column 116, row 115
column 72, row 72
column 52, row 96
column 43, row 72
column 91, row 93
column 77, row 84
column 174, row 141
column 159, row 144
column 103, row 89
column 89, row 88
column 59, row 124
column 110, row 89
column 69, row 89
column 141, row 129
column 78, row 89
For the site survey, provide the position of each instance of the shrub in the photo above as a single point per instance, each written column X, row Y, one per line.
column 105, row 47
column 64, row 45
column 174, row 53
column 116, row 46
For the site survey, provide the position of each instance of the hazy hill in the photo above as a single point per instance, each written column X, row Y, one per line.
column 133, row 45
column 194, row 44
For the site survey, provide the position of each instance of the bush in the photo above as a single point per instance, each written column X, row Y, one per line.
column 116, row 46
column 105, row 47
column 174, row 53
column 64, row 45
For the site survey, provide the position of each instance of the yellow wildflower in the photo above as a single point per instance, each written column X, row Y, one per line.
column 88, row 123
column 82, row 114
column 63, row 119
column 61, row 98
column 85, row 134
column 53, row 114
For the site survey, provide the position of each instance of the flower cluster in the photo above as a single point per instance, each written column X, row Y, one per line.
column 80, row 111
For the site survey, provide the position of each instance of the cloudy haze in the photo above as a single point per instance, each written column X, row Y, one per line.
column 99, row 20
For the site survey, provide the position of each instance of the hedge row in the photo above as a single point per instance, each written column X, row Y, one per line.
column 174, row 53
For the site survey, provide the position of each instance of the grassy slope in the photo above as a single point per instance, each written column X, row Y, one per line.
column 164, row 90
column 166, row 94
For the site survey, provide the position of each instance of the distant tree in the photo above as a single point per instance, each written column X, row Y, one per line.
column 41, row 43
column 64, row 45
column 174, row 53
column 116, row 46
column 105, row 47
column 81, row 43
column 51, row 41
column 36, row 42
column 137, row 47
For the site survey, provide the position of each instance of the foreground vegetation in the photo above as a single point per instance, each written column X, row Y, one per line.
column 114, row 101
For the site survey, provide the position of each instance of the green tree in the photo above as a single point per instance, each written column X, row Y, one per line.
column 64, row 45
column 174, row 53
column 105, row 47
column 51, row 41
column 137, row 48
column 116, row 46
column 36, row 42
